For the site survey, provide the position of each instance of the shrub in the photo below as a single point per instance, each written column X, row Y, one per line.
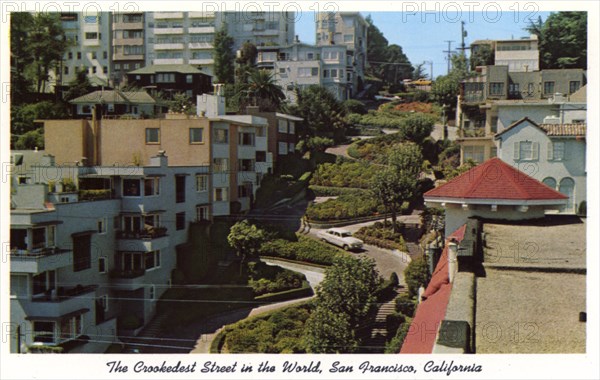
column 345, row 174
column 393, row 322
column 328, row 191
column 395, row 344
column 305, row 249
column 405, row 305
column 266, row 279
column 344, row 207
column 354, row 106
column 582, row 210
column 416, row 275
column 394, row 279
column 382, row 236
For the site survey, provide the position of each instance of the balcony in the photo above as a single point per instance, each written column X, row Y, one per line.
column 168, row 15
column 60, row 302
column 67, row 25
column 93, row 42
column 171, row 46
column 95, row 195
column 143, row 241
column 128, row 279
column 202, row 15
column 201, row 29
column 202, row 61
column 266, row 32
column 128, row 25
column 39, row 260
column 158, row 31
column 200, row 45
column 169, row 61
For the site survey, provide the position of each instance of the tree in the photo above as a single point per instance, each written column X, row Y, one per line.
column 562, row 40
column 182, row 104
column 79, row 86
column 419, row 71
column 397, row 182
column 224, row 56
column 20, row 85
column 31, row 140
column 45, row 45
column 319, row 144
column 23, row 116
column 262, row 90
column 354, row 106
column 416, row 275
column 344, row 298
column 245, row 61
column 417, row 127
column 323, row 114
column 246, row 239
column 483, row 56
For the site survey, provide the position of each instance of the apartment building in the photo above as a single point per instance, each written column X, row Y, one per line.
column 300, row 65
column 519, row 55
column 188, row 37
column 496, row 98
column 234, row 146
column 128, row 44
column 93, row 248
column 348, row 29
column 170, row 79
column 90, row 34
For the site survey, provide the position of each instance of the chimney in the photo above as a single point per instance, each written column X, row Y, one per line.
column 211, row 105
column 452, row 260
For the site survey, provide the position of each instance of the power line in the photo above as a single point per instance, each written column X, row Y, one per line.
column 449, row 52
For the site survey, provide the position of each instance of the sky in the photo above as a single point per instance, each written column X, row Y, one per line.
column 424, row 39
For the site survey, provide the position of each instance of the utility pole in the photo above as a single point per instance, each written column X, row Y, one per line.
column 463, row 34
column 449, row 52
column 430, row 68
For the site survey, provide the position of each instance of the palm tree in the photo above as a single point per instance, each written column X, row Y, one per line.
column 262, row 90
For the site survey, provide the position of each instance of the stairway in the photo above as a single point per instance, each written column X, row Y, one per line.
column 374, row 333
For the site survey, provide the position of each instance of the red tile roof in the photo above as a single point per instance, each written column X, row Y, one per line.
column 422, row 333
column 575, row 129
column 494, row 179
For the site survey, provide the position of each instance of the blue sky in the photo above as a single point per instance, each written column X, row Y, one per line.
column 423, row 40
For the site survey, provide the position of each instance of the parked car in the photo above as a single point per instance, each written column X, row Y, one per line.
column 341, row 238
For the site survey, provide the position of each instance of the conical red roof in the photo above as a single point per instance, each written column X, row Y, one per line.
column 495, row 179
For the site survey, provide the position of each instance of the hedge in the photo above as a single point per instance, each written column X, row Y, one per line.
column 395, row 344
column 344, row 174
column 217, row 343
column 304, row 291
column 329, row 191
column 305, row 249
column 382, row 236
column 345, row 207
column 405, row 305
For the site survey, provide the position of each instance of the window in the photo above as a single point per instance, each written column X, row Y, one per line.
column 152, row 136
column 221, row 194
column 310, row 56
column 18, row 286
column 526, row 150
column 221, row 136
column 151, row 220
column 82, row 252
column 548, row 88
column 132, row 18
column 292, row 128
column 71, row 328
column 189, row 79
column 291, row 147
column 201, row 183
column 91, row 36
column 151, row 186
column 325, row 73
column 496, row 88
column 131, row 188
column 196, row 135
column 556, row 151
column 245, row 190
column 70, row 55
column 493, row 152
column 133, row 50
column 44, row 282
column 201, row 213
column 246, row 138
column 180, row 221
column 261, row 156
column 567, row 187
column 348, row 37
column 282, row 126
column 94, row 55
column 179, row 188
column 282, row 70
column 105, row 54
column 165, row 78
column 282, row 148
column 574, row 85
column 104, row 69
column 513, row 89
column 151, row 292
column 78, row 55
column 550, row 182
column 260, row 131
column 39, row 237
column 494, row 124
column 530, row 89
column 304, row 72
column 131, row 262
column 102, row 265
column 473, row 152
column 334, row 73
column 66, row 70
column 246, row 165
column 101, row 225
column 43, row 332
column 152, row 259
column 220, row 164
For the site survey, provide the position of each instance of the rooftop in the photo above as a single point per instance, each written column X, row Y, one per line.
column 534, row 288
column 116, row 97
column 183, row 69
column 492, row 181
column 565, row 130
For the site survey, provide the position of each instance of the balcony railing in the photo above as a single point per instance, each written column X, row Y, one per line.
column 149, row 233
column 127, row 274
column 95, row 195
column 35, row 253
column 61, row 294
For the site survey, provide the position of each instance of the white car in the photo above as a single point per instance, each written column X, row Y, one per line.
column 341, row 238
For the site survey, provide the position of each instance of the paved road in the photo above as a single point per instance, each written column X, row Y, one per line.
column 313, row 275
